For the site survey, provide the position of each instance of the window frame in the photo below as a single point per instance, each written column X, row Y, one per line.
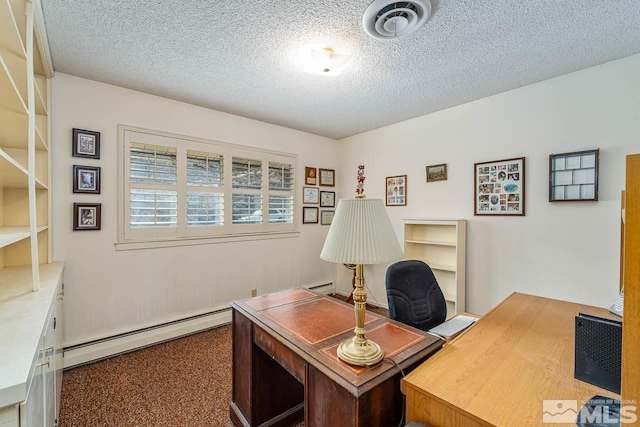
column 182, row 234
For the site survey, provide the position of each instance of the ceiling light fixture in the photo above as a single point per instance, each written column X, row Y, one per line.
column 326, row 62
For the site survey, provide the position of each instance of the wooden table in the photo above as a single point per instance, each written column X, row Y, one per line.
column 285, row 364
column 499, row 371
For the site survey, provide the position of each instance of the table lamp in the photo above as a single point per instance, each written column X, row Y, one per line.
column 360, row 233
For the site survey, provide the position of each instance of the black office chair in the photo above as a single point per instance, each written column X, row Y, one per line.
column 414, row 296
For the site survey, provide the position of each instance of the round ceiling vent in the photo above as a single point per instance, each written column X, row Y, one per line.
column 385, row 19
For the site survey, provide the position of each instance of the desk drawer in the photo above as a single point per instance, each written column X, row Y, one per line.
column 282, row 354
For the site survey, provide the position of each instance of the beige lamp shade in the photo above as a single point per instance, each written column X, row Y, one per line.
column 361, row 233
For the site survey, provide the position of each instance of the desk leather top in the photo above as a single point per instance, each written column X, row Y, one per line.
column 313, row 326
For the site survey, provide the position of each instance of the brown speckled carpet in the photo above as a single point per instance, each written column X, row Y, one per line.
column 184, row 382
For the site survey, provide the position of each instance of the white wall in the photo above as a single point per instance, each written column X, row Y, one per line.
column 561, row 250
column 568, row 251
column 108, row 291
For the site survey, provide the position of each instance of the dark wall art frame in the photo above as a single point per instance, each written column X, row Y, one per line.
column 87, row 216
column 328, row 199
column 573, row 177
column 85, row 143
column 396, row 190
column 309, row 215
column 499, row 187
column 437, row 173
column 86, row 179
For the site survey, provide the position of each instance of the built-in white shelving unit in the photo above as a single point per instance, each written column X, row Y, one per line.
column 440, row 244
column 24, row 139
column 30, row 285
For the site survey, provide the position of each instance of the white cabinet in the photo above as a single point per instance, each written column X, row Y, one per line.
column 58, row 347
column 440, row 244
column 39, row 408
column 32, row 410
column 30, row 362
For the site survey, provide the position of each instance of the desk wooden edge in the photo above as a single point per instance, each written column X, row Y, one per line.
column 436, row 408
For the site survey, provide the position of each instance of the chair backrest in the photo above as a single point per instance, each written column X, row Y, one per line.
column 414, row 296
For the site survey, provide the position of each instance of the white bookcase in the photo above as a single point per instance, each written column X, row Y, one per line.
column 24, row 139
column 442, row 245
column 30, row 285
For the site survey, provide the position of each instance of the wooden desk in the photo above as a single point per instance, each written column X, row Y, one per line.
column 500, row 370
column 285, row 363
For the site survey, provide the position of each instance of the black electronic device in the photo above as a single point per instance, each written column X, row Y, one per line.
column 598, row 351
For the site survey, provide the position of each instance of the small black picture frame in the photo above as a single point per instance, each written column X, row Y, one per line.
column 328, row 199
column 85, row 143
column 87, row 216
column 309, row 215
column 86, row 179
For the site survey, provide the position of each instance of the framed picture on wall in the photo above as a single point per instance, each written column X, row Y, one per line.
column 86, row 179
column 326, row 217
column 310, row 177
column 327, row 177
column 437, row 173
column 499, row 187
column 309, row 215
column 310, row 195
column 327, row 199
column 574, row 176
column 87, row 216
column 396, row 190
column 85, row 143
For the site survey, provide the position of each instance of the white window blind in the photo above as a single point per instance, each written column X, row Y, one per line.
column 152, row 194
column 205, row 195
column 281, row 191
column 178, row 187
column 246, row 179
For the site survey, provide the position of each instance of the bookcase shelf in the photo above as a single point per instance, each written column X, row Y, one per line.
column 10, row 235
column 24, row 121
column 30, row 284
column 440, row 244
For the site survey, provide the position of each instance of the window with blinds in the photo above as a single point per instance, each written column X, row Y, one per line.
column 153, row 197
column 281, row 189
column 205, row 197
column 182, row 188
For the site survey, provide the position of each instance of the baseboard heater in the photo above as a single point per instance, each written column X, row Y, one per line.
column 104, row 348
column 123, row 343
column 324, row 288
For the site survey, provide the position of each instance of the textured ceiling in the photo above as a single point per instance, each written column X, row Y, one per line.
column 244, row 56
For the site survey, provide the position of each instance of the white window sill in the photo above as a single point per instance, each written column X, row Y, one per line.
column 191, row 241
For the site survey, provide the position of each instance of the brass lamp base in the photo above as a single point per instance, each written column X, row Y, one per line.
column 366, row 354
column 358, row 350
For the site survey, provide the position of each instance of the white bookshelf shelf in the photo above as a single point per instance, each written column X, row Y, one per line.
column 10, row 235
column 431, row 242
column 440, row 244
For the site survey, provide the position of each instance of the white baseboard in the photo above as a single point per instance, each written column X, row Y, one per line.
column 102, row 349
column 109, row 347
